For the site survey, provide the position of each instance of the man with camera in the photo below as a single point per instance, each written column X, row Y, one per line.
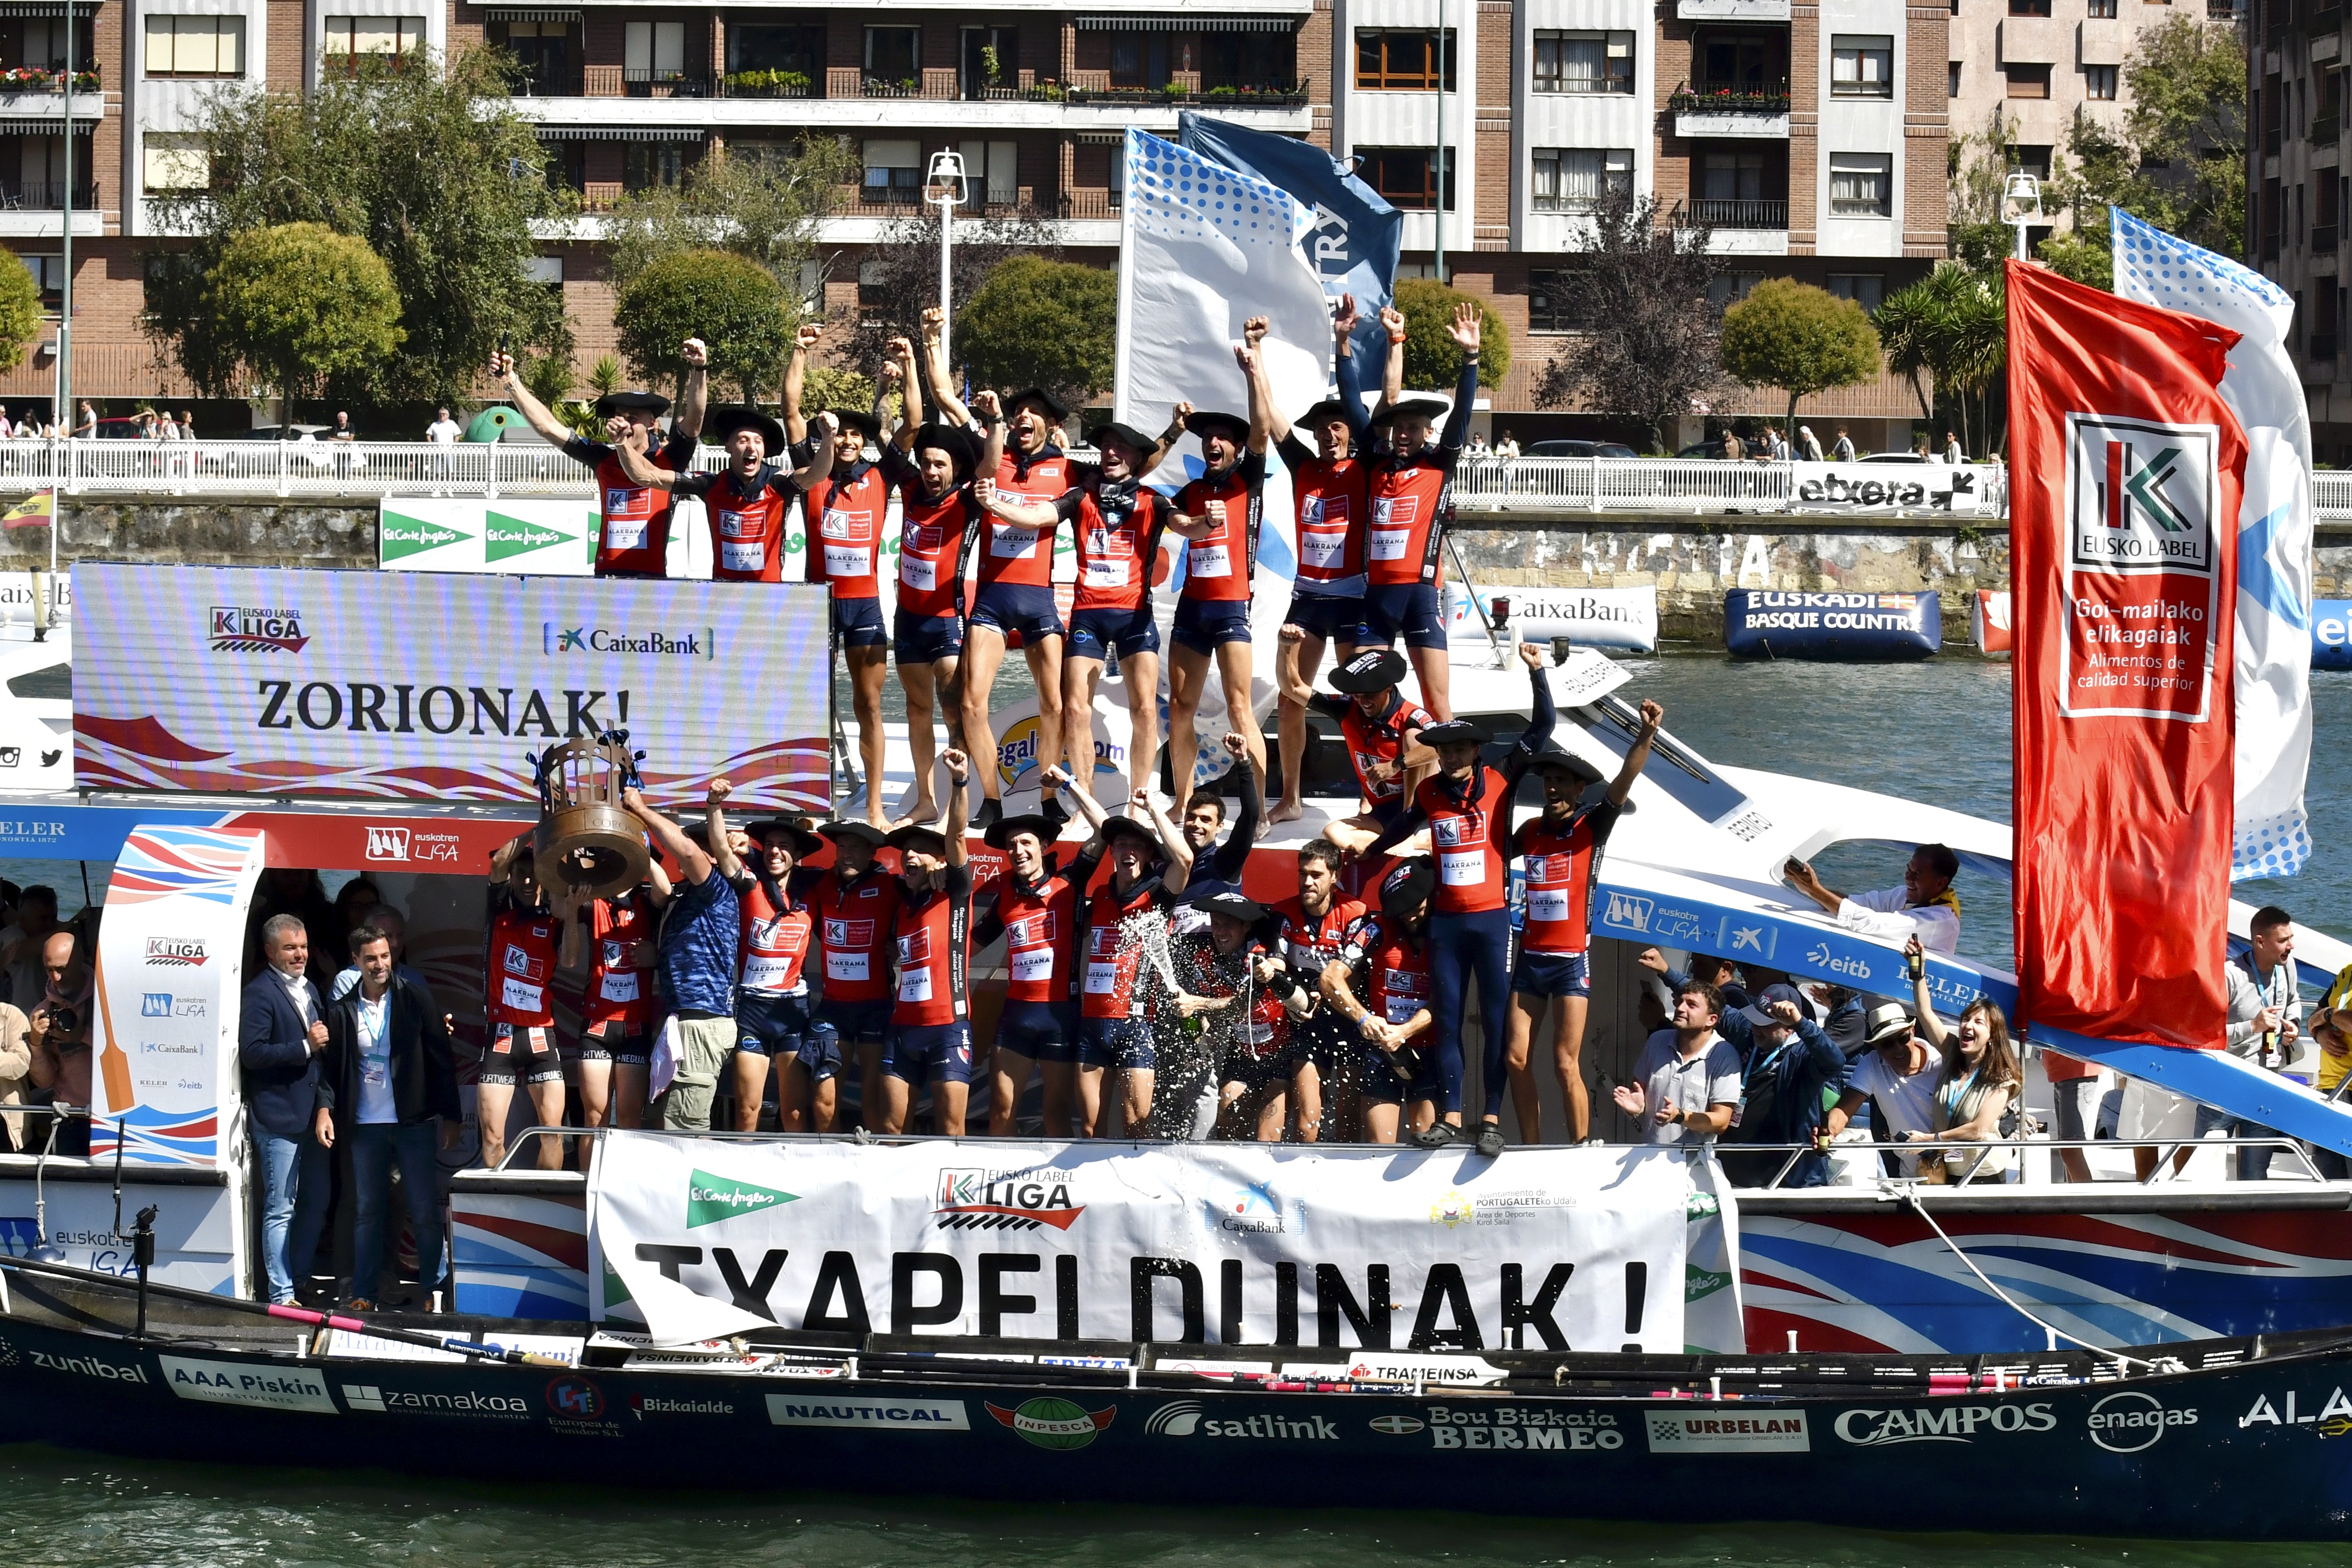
column 60, row 1038
column 281, row 1032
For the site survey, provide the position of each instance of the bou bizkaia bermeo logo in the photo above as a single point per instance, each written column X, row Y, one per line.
column 236, row 628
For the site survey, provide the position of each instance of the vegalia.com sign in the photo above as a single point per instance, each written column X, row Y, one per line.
column 438, row 685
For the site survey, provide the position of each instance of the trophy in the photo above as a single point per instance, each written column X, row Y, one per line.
column 587, row 842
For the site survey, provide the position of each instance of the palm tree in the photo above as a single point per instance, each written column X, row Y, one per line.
column 1952, row 325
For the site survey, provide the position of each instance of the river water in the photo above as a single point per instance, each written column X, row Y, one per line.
column 1937, row 731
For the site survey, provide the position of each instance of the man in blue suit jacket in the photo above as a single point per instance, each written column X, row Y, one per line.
column 281, row 1030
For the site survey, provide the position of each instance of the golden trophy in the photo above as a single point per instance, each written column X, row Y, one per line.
column 587, row 842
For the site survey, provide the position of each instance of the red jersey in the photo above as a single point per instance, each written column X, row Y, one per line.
column 1117, row 546
column 1040, row 929
column 620, row 991
column 1109, row 979
column 1041, row 477
column 1463, row 836
column 1265, row 1031
column 635, row 533
column 1396, row 967
column 1309, row 942
column 1412, row 501
column 1016, row 552
column 747, row 532
column 846, row 542
column 929, row 535
column 934, row 932
column 1218, row 564
column 1377, row 743
column 1330, row 495
column 1559, row 862
column 523, row 965
column 774, row 946
column 854, row 926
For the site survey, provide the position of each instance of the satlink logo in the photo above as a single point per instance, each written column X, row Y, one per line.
column 2142, row 497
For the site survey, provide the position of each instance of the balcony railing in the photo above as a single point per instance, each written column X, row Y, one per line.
column 769, row 84
column 1740, row 212
column 38, row 196
column 2326, row 22
column 45, row 78
column 544, row 83
column 2323, row 239
column 1706, row 99
column 1215, row 97
column 882, row 86
column 2325, row 129
column 639, row 82
column 1090, row 204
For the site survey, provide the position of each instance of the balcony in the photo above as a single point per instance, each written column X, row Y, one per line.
column 638, row 81
column 46, row 196
column 1740, row 212
column 16, row 79
column 2324, row 239
column 1096, row 205
column 769, row 84
column 2326, row 129
column 1732, row 10
column 1742, row 111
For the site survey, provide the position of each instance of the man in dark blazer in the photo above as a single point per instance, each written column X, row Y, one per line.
column 281, row 1029
column 389, row 1076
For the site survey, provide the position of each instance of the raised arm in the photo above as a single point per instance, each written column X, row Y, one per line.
column 910, row 392
column 935, row 368
column 630, row 453
column 820, row 464
column 670, row 839
column 1350, row 374
column 1235, row 852
column 722, row 853
column 534, row 412
column 1466, row 330
column 1392, row 373
column 1168, row 437
column 991, row 430
column 1931, row 1027
column 958, row 768
column 1287, row 679
column 1637, row 755
column 1171, row 843
column 1057, row 779
column 1543, row 714
column 796, row 378
column 686, row 419
column 1261, row 395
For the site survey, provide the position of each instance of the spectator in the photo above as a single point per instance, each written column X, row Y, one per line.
column 393, row 924
column 1690, row 1074
column 1782, row 451
column 1980, row 1085
column 356, row 902
column 342, row 431
column 1507, row 448
column 1733, row 449
column 388, row 1090
column 279, row 1036
column 2265, row 1010
column 59, row 1040
column 1925, row 906
column 16, row 1073
column 2334, row 1063
column 20, row 945
column 7, row 430
column 1900, row 1073
column 1921, row 451
column 1478, row 447
column 165, row 430
column 1788, row 1062
column 1705, row 969
column 697, row 964
column 188, row 424
column 87, row 426
column 1843, row 451
column 1954, row 453
column 2073, row 1110
column 1842, row 1017
column 1813, row 447
column 444, row 431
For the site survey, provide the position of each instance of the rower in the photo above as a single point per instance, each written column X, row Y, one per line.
column 1327, row 596
column 1464, row 807
column 1037, row 913
column 1381, row 730
column 1149, row 860
column 1217, row 516
column 614, row 938
column 1387, row 955
column 1310, row 931
column 857, row 908
column 931, row 1026
column 747, row 501
column 1217, row 868
column 517, row 995
column 1562, row 850
column 771, row 993
column 1261, row 1045
column 1412, row 499
column 632, row 536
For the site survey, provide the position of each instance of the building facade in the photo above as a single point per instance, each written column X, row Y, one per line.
column 2296, row 193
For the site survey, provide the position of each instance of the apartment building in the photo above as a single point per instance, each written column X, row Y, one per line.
column 1811, row 134
column 2296, row 197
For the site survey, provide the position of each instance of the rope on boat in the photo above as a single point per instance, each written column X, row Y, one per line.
column 1911, row 1197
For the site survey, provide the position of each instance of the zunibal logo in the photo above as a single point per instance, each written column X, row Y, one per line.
column 1056, row 1424
column 709, row 1199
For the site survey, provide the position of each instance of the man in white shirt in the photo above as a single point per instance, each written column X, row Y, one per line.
column 1899, row 1072
column 2264, row 1025
column 1925, row 906
column 444, row 431
column 1689, row 1088
column 1952, row 451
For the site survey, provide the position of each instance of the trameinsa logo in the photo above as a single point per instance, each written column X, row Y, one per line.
column 187, row 952
column 237, row 628
column 695, row 642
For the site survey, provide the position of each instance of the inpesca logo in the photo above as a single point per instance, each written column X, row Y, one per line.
column 236, row 628
column 709, row 1199
column 1056, row 1424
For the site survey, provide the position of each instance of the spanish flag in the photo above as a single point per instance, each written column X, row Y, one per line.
column 33, row 511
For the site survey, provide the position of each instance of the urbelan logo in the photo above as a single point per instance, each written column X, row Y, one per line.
column 187, row 952
column 238, row 629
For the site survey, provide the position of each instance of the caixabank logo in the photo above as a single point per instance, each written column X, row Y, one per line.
column 240, row 628
column 2143, row 496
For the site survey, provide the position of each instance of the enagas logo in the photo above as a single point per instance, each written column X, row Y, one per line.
column 1005, row 1200
column 177, row 951
column 2143, row 496
column 236, row 628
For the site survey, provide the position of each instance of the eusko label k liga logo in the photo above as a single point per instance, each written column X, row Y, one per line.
column 2144, row 496
column 239, row 629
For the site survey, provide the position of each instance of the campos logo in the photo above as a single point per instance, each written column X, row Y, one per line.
column 238, row 629
column 2142, row 497
column 184, row 952
column 1940, row 1424
column 2128, row 1422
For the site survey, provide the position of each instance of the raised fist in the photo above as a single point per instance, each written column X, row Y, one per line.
column 719, row 791
column 693, row 353
column 984, row 404
column 1254, row 330
column 1531, row 654
column 958, row 764
column 1234, row 745
column 805, row 339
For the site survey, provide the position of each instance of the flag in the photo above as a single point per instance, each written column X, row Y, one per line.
column 2125, row 491
column 1357, row 234
column 2273, row 837
column 33, row 511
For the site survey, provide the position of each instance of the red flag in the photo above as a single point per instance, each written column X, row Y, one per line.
column 2124, row 493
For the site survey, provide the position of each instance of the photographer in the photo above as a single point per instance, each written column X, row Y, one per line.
column 60, row 1038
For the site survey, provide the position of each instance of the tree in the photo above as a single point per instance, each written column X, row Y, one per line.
column 20, row 315
column 764, row 207
column 733, row 304
column 302, row 305
column 899, row 278
column 428, row 164
column 1951, row 325
column 1799, row 338
column 1647, row 330
column 1036, row 322
column 1433, row 362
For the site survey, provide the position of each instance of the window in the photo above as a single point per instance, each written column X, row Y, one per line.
column 988, row 58
column 48, row 276
column 544, row 51
column 1249, row 60
column 891, row 54
column 1952, row 79
column 872, row 290
column 1395, row 59
column 2099, row 83
column 195, row 45
column 1868, row 290
column 993, row 167
column 1584, row 62
column 2027, row 81
column 1405, row 176
column 1118, row 179
column 645, row 165
column 1862, row 67
column 351, row 39
column 1558, row 300
column 2033, row 160
column 894, row 171
column 174, row 161
column 1732, row 177
column 547, row 270
column 1862, row 184
column 769, row 47
column 1745, row 62
column 45, row 42
column 1572, row 179
column 2102, row 10
column 653, row 51
column 1731, row 288
column 2029, row 8
column 1138, row 59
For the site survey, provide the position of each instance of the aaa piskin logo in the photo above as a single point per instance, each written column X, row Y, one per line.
column 709, row 1199
column 1056, row 1424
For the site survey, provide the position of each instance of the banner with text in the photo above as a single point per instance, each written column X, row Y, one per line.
column 545, row 538
column 1624, row 618
column 1877, row 488
column 438, row 687
column 1226, row 1242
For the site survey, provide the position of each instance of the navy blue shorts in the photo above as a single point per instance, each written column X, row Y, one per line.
column 1388, row 812
column 1327, row 616
column 857, row 1022
column 857, row 623
column 1381, row 1083
column 1042, row 1031
column 1024, row 608
column 920, row 1053
column 524, row 1055
column 1254, row 1073
column 612, row 1041
column 769, row 1025
column 1101, row 634
column 1549, row 974
column 926, row 639
column 1328, row 1042
column 1204, row 624
column 1116, row 1043
column 1410, row 608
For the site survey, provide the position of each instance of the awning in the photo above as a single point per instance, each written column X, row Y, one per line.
column 510, row 14
column 1100, row 138
column 1190, row 24
column 620, row 133
column 46, row 7
column 53, row 125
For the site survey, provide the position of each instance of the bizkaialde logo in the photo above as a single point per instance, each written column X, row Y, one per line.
column 1056, row 1424
column 1005, row 1200
column 236, row 628
column 696, row 642
column 2143, row 497
column 709, row 1199
column 2128, row 1422
column 177, row 951
column 1940, row 1424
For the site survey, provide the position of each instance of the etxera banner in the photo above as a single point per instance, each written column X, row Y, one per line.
column 438, row 685
column 1872, row 488
column 545, row 538
column 1231, row 1244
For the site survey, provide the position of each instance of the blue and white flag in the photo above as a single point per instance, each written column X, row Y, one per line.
column 2274, row 530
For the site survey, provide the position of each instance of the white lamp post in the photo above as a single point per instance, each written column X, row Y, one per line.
column 945, row 186
column 2020, row 205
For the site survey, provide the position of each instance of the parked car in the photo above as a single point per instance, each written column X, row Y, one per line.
column 279, row 431
column 1580, row 449
column 1899, row 458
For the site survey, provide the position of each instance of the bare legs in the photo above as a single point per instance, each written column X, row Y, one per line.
column 867, row 667
column 929, row 687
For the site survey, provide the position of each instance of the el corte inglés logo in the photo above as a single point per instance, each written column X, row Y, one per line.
column 709, row 1199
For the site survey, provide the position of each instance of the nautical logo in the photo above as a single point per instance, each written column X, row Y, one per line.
column 1056, row 1424
column 1005, row 1200
column 575, row 1398
column 2333, row 1420
column 2128, row 1422
column 2142, row 497
column 177, row 951
column 1940, row 1423
column 1396, row 1425
column 897, row 1414
column 238, row 629
column 709, row 1199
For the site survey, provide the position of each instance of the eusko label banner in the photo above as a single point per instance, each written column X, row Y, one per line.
column 545, row 538
column 439, row 686
column 1357, row 1250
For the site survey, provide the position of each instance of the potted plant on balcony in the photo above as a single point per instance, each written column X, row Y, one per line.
column 767, row 84
column 1729, row 100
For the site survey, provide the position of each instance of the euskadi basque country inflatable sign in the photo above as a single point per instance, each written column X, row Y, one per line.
column 1355, row 1249
column 438, row 685
column 1761, row 624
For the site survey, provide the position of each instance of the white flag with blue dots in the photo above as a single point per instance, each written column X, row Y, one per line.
column 2273, row 643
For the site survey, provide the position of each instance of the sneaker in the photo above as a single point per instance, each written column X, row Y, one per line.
column 1438, row 1135
column 1490, row 1139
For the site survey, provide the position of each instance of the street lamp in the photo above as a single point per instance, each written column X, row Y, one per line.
column 2021, row 203
column 945, row 186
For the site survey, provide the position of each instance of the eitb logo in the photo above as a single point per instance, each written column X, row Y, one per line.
column 2141, row 497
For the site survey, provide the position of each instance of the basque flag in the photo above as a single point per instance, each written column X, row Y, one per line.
column 2128, row 474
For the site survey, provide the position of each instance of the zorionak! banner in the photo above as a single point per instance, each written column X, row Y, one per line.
column 438, row 685
column 1351, row 1249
